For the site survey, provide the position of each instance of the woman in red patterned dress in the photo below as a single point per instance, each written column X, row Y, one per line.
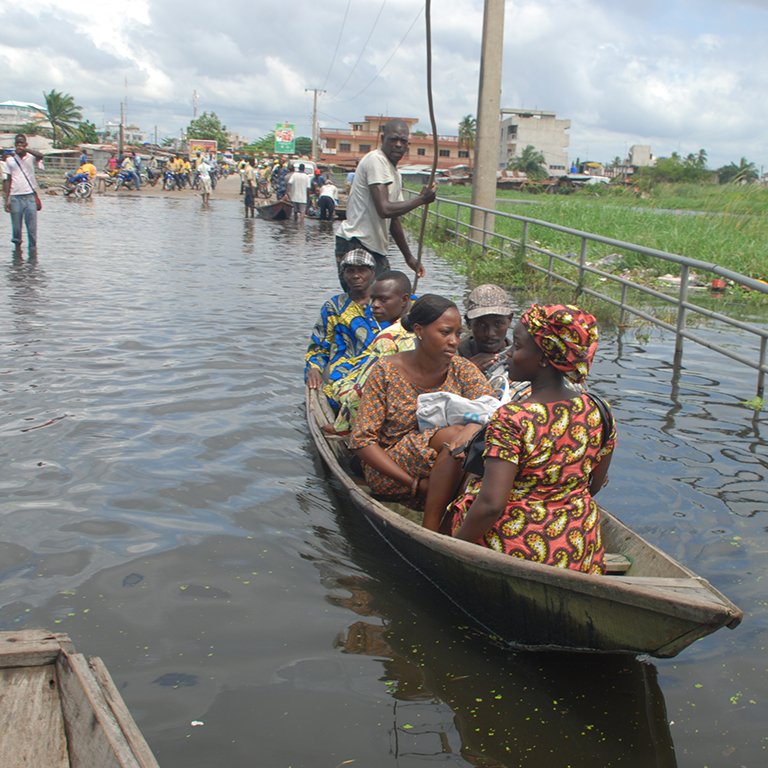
column 545, row 457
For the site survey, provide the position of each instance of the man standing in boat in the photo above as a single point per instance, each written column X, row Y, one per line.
column 376, row 196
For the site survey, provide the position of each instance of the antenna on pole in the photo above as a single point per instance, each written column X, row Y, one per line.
column 314, row 122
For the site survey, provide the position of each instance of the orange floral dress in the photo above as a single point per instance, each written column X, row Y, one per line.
column 550, row 517
column 387, row 416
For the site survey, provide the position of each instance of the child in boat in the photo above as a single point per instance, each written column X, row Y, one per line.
column 546, row 456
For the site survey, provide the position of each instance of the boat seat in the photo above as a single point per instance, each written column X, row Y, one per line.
column 616, row 564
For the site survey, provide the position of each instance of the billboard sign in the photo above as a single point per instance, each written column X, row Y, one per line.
column 285, row 139
column 206, row 147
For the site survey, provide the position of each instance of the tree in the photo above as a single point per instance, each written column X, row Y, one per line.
column 303, row 145
column 419, row 134
column 84, row 134
column 531, row 162
column 62, row 113
column 467, row 134
column 264, row 144
column 742, row 173
column 208, row 126
column 168, row 141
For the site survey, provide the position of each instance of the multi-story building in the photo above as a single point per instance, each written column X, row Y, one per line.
column 132, row 134
column 343, row 146
column 235, row 141
column 520, row 128
column 15, row 114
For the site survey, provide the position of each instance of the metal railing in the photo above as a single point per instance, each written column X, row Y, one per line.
column 504, row 245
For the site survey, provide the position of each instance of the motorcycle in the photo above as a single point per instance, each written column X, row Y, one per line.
column 78, row 184
column 125, row 179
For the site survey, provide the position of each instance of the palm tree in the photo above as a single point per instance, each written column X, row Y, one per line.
column 742, row 173
column 531, row 162
column 701, row 159
column 467, row 133
column 62, row 113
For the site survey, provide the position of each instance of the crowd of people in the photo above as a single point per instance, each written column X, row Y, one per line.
column 411, row 395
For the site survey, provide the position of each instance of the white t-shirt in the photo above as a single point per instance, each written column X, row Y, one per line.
column 329, row 190
column 204, row 170
column 19, row 184
column 298, row 185
column 363, row 220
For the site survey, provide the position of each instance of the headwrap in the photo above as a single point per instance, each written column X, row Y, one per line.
column 566, row 335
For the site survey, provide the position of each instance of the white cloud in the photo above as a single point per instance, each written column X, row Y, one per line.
column 680, row 75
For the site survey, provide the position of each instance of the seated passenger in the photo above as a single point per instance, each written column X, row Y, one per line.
column 88, row 168
column 545, row 457
column 346, row 327
column 390, row 300
column 397, row 458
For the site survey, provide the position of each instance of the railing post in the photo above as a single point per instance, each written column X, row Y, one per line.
column 437, row 213
column 458, row 222
column 549, row 273
column 485, row 230
column 761, row 372
column 524, row 240
column 681, row 311
column 623, row 303
column 582, row 261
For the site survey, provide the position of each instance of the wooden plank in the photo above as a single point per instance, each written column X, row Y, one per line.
column 94, row 736
column 127, row 724
column 29, row 648
column 31, row 720
column 615, row 563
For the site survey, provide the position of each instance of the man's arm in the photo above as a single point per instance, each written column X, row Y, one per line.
column 7, row 192
column 37, row 155
column 396, row 230
column 389, row 210
column 319, row 350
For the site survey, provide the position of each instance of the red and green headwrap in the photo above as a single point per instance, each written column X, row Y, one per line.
column 566, row 335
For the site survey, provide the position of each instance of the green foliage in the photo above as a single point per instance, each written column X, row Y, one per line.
column 62, row 113
column 303, row 145
column 419, row 134
column 738, row 174
column 531, row 162
column 675, row 169
column 467, row 132
column 264, row 144
column 756, row 404
column 85, row 134
column 208, row 126
column 168, row 141
column 35, row 129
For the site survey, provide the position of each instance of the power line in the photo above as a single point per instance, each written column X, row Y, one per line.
column 338, row 42
column 345, row 101
column 365, row 45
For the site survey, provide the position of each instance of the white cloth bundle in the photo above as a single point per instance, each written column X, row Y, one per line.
column 443, row 409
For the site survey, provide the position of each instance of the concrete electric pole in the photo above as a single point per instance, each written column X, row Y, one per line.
column 488, row 110
column 314, row 122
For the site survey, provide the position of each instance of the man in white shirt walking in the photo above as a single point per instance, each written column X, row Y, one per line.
column 20, row 192
column 297, row 191
column 377, row 195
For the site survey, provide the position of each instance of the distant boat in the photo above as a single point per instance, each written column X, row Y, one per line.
column 647, row 604
column 61, row 710
column 278, row 211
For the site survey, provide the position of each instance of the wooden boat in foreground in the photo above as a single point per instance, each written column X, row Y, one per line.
column 650, row 604
column 61, row 710
column 278, row 211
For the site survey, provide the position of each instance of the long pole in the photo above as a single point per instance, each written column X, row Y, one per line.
column 435, row 145
column 120, row 139
column 314, row 122
column 488, row 110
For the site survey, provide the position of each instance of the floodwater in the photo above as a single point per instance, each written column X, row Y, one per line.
column 164, row 506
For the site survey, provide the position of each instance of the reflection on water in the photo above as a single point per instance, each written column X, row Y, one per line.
column 163, row 505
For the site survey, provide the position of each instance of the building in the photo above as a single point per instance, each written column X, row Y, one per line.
column 520, row 128
column 132, row 134
column 235, row 141
column 15, row 114
column 343, row 146
column 640, row 155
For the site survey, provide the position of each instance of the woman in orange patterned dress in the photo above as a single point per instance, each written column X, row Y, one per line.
column 397, row 458
column 545, row 457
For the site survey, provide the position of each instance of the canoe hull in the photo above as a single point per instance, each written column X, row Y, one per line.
column 658, row 608
column 278, row 211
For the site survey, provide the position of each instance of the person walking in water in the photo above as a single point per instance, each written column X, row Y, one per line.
column 20, row 189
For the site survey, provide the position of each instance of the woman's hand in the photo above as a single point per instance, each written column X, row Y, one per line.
column 462, row 437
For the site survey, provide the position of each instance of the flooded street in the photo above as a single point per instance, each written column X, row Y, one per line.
column 162, row 503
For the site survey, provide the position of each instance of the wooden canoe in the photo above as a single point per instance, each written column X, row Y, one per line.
column 61, row 710
column 656, row 606
column 278, row 211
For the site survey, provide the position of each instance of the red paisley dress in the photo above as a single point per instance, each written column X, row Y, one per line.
column 550, row 516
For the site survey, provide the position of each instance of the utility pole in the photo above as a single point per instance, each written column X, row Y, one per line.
column 120, row 140
column 194, row 102
column 488, row 110
column 314, row 122
column 155, row 135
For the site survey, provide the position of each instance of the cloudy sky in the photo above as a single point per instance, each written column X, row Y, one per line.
column 680, row 75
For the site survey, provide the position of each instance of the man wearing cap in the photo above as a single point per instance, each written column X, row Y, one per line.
column 376, row 196
column 488, row 317
column 346, row 326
